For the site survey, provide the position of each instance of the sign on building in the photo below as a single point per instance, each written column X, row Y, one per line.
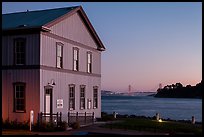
column 59, row 103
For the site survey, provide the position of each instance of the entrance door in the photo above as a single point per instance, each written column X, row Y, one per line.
column 48, row 103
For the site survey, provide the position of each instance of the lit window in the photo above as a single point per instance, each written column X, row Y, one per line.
column 82, row 97
column 76, row 59
column 19, row 97
column 19, row 52
column 71, row 97
column 89, row 62
column 59, row 55
column 95, row 97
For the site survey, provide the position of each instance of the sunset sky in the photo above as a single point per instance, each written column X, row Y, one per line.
column 146, row 43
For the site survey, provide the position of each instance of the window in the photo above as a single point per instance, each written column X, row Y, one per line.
column 71, row 97
column 95, row 97
column 76, row 59
column 19, row 97
column 19, row 51
column 59, row 55
column 89, row 62
column 82, row 97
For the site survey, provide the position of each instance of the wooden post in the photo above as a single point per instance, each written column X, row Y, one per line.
column 68, row 118
column 50, row 117
column 57, row 119
column 93, row 118
column 60, row 118
column 41, row 118
column 38, row 122
column 77, row 117
column 85, row 118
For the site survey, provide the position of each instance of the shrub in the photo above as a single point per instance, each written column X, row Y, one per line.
column 15, row 124
column 75, row 125
column 62, row 126
column 6, row 124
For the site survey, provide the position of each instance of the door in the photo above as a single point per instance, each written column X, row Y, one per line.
column 48, row 103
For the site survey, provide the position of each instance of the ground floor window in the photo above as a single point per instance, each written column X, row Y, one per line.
column 95, row 97
column 82, row 96
column 71, row 97
column 19, row 97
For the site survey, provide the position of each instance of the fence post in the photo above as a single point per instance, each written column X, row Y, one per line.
column 38, row 122
column 85, row 118
column 93, row 118
column 68, row 118
column 41, row 118
column 60, row 117
column 57, row 119
column 77, row 117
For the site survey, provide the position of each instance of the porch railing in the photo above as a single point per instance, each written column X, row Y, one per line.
column 54, row 118
column 83, row 118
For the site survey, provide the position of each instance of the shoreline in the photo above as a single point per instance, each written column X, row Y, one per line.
column 146, row 117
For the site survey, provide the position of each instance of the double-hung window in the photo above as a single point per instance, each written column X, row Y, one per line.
column 89, row 62
column 82, row 96
column 19, row 97
column 95, row 97
column 59, row 55
column 76, row 59
column 71, row 97
column 19, row 51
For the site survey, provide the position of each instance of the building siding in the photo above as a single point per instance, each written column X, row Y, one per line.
column 74, row 28
column 32, row 80
column 48, row 55
column 32, row 49
column 61, row 91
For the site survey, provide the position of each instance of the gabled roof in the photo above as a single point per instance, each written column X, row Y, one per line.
column 44, row 19
column 32, row 18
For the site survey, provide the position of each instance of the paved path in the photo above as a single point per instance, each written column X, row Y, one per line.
column 86, row 130
column 97, row 130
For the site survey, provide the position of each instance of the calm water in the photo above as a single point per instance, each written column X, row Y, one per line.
column 177, row 109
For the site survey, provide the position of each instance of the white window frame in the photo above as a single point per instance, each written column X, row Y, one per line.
column 19, row 94
column 95, row 97
column 71, row 97
column 82, row 96
column 59, row 55
column 76, row 59
column 89, row 62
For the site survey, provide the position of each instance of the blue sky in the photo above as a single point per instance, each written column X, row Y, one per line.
column 147, row 43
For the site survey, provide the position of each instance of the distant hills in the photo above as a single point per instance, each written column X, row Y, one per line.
column 113, row 93
column 178, row 91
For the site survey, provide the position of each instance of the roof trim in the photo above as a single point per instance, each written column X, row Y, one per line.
column 88, row 24
column 22, row 29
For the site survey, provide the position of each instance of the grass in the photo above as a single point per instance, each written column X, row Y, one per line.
column 155, row 126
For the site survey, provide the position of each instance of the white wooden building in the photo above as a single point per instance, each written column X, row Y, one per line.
column 51, row 62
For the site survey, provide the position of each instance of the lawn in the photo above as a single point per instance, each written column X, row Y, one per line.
column 155, row 126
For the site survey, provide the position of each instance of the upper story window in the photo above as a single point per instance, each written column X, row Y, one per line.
column 82, row 96
column 95, row 97
column 71, row 97
column 76, row 59
column 89, row 62
column 19, row 51
column 19, row 97
column 59, row 55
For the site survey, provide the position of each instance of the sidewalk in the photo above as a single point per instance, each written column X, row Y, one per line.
column 94, row 129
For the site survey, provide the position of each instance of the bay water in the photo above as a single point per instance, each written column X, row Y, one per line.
column 173, row 108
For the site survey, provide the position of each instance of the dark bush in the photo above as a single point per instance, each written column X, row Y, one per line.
column 62, row 126
column 15, row 124
column 75, row 125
